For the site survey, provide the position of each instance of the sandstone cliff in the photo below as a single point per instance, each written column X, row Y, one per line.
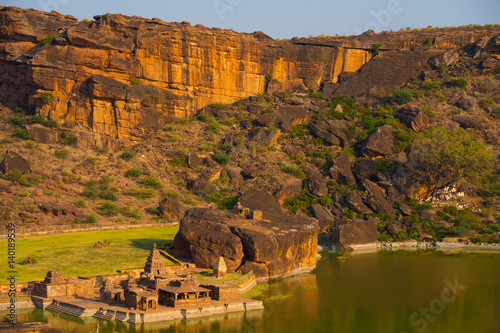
column 120, row 78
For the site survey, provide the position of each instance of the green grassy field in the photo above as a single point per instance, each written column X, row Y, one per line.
column 73, row 253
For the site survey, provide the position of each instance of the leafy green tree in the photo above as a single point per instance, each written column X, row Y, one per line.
column 444, row 157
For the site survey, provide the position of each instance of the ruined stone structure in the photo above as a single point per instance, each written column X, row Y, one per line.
column 120, row 78
column 220, row 269
column 141, row 298
column 55, row 285
column 223, row 291
column 111, row 294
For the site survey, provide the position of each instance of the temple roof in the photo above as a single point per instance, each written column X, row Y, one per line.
column 184, row 289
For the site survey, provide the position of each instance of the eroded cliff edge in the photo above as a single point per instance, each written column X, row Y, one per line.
column 120, row 78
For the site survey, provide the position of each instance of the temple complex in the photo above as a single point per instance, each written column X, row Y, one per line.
column 160, row 293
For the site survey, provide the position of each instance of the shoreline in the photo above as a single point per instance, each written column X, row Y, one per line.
column 415, row 244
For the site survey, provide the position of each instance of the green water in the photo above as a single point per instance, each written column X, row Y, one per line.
column 388, row 291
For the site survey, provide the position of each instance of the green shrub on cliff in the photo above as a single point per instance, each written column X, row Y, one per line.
column 133, row 172
column 460, row 82
column 135, row 81
column 402, row 96
column 21, row 133
column 48, row 40
column 46, row 98
column 222, row 158
column 62, row 153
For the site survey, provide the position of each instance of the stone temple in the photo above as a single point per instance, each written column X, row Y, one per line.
column 160, row 293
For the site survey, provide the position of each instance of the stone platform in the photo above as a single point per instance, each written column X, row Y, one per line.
column 93, row 307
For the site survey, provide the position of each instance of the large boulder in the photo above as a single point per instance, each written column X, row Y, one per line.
column 171, row 209
column 13, row 162
column 5, row 187
column 367, row 168
column 193, row 161
column 286, row 117
column 413, row 117
column 341, row 170
column 467, row 121
column 320, row 130
column 355, row 232
column 468, row 103
column 380, row 143
column 323, row 215
column 234, row 174
column 262, row 138
column 201, row 186
column 394, row 229
column 318, row 185
column 355, row 203
column 270, row 246
column 449, row 58
column 291, row 189
column 377, row 198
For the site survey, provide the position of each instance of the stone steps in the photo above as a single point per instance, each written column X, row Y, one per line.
column 64, row 309
column 103, row 316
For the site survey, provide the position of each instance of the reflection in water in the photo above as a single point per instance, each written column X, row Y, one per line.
column 387, row 291
column 231, row 322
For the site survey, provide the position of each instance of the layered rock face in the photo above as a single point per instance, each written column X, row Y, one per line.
column 122, row 77
column 270, row 244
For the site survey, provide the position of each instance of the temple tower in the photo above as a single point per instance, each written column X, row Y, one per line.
column 154, row 263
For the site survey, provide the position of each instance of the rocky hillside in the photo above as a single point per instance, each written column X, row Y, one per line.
column 340, row 129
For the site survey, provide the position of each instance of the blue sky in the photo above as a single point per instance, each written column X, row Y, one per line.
column 286, row 19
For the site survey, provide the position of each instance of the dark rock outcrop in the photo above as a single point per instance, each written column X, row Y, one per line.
column 193, row 161
column 468, row 103
column 13, row 162
column 366, row 169
column 320, row 130
column 467, row 121
column 394, row 229
column 449, row 58
column 318, row 185
column 355, row 203
column 380, row 143
column 5, row 187
column 289, row 190
column 341, row 170
column 270, row 246
column 413, row 117
column 286, row 117
column 200, row 186
column 428, row 214
column 60, row 210
column 323, row 215
column 405, row 208
column 171, row 209
column 355, row 232
column 377, row 198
